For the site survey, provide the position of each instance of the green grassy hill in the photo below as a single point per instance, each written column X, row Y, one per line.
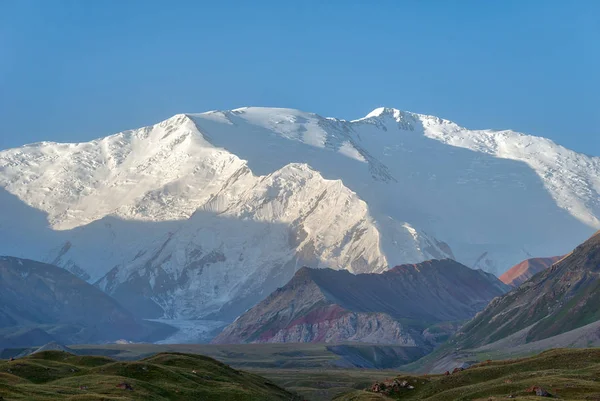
column 56, row 375
column 317, row 372
column 568, row 374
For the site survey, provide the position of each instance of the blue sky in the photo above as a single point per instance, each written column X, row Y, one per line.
column 76, row 70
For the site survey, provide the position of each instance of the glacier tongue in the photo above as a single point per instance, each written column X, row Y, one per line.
column 205, row 214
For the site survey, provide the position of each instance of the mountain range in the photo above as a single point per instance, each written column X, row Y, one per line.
column 204, row 215
column 558, row 300
column 555, row 308
column 413, row 305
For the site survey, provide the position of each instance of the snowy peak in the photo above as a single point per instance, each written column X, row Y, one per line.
column 288, row 123
column 390, row 119
column 207, row 213
column 80, row 183
column 407, row 120
column 384, row 111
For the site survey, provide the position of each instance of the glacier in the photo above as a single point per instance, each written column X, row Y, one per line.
column 203, row 215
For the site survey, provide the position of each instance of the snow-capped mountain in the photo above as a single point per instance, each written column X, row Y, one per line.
column 206, row 214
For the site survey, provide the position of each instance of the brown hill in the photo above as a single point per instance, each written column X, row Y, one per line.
column 519, row 273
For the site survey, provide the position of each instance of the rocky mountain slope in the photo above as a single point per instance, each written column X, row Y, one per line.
column 203, row 215
column 558, row 300
column 521, row 272
column 39, row 302
column 394, row 307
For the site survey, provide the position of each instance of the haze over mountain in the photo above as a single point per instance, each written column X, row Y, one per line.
column 40, row 303
column 394, row 307
column 204, row 215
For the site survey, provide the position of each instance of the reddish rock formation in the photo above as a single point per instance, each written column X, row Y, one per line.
column 390, row 387
column 125, row 386
column 539, row 391
column 518, row 274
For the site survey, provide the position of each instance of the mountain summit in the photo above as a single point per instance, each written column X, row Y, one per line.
column 204, row 215
column 519, row 273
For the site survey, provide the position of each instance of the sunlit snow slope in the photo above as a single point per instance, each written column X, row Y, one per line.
column 205, row 214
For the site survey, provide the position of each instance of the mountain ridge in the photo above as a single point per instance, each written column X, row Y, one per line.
column 523, row 271
column 44, row 302
column 396, row 306
column 190, row 207
column 557, row 300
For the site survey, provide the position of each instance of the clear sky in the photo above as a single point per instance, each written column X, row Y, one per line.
column 76, row 70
